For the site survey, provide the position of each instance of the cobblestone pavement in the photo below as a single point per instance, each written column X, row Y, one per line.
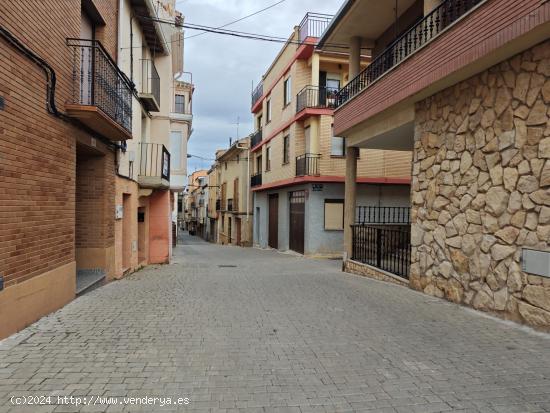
column 272, row 333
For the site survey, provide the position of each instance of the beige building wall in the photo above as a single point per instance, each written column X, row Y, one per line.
column 303, row 72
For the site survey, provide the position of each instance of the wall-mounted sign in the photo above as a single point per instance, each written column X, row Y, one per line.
column 119, row 212
column 317, row 187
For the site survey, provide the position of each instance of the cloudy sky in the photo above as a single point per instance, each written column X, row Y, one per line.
column 224, row 67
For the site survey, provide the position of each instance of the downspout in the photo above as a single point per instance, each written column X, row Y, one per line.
column 248, row 184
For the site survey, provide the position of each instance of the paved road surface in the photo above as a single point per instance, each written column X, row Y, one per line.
column 246, row 330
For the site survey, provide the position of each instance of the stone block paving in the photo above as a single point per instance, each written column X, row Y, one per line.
column 275, row 333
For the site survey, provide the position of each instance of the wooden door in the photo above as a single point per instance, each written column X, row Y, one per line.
column 297, row 201
column 273, row 236
column 238, row 228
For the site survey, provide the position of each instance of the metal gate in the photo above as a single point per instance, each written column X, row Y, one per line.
column 297, row 200
column 273, row 235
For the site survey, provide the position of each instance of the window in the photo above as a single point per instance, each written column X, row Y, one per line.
column 259, row 124
column 286, row 149
column 268, row 110
column 338, row 145
column 259, row 164
column 175, row 149
column 180, row 104
column 288, row 91
column 334, row 214
column 268, row 158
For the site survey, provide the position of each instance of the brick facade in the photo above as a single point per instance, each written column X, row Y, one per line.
column 38, row 179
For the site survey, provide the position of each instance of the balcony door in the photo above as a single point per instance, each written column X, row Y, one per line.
column 87, row 31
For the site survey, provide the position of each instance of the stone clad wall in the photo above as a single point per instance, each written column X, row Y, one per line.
column 481, row 189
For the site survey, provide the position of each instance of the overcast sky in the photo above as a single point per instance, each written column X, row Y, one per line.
column 224, row 67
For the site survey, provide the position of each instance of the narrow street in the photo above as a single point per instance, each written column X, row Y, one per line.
column 236, row 329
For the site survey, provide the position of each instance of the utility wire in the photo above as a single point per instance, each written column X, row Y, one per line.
column 241, row 19
column 234, row 33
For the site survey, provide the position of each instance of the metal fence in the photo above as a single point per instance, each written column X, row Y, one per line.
column 257, row 93
column 256, row 180
column 382, row 215
column 409, row 42
column 150, row 79
column 256, row 138
column 307, row 164
column 313, row 25
column 97, row 81
column 154, row 160
column 318, row 97
column 384, row 248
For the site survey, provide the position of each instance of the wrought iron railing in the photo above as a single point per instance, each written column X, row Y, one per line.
column 382, row 215
column 230, row 204
column 97, row 81
column 256, row 138
column 313, row 25
column 150, row 79
column 256, row 179
column 154, row 160
column 384, row 248
column 257, row 93
column 405, row 45
column 307, row 164
column 318, row 97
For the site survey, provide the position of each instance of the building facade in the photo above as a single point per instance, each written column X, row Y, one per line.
column 61, row 130
column 233, row 204
column 298, row 163
column 195, row 203
column 466, row 86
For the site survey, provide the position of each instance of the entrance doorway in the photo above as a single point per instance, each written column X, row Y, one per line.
column 238, row 224
column 273, row 230
column 297, row 200
column 142, row 236
column 126, row 232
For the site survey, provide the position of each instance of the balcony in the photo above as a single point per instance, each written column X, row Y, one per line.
column 308, row 164
column 256, row 179
column 313, row 25
column 316, row 97
column 230, row 204
column 256, row 138
column 101, row 94
column 418, row 36
column 257, row 94
column 149, row 93
column 154, row 166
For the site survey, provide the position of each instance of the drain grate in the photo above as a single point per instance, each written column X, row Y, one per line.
column 227, row 266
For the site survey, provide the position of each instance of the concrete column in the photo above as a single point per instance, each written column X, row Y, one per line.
column 350, row 197
column 429, row 5
column 315, row 69
column 354, row 57
column 314, row 135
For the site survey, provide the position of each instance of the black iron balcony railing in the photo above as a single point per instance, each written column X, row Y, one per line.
column 97, row 81
column 313, row 25
column 256, row 138
column 218, row 204
column 256, row 179
column 154, row 160
column 318, row 97
column 382, row 215
column 307, row 164
column 409, row 42
column 384, row 248
column 230, row 204
column 257, row 93
column 150, row 80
